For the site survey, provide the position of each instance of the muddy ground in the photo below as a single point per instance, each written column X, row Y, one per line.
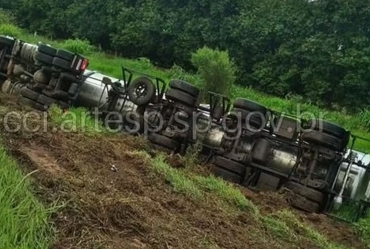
column 127, row 206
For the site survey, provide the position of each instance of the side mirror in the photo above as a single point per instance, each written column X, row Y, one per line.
column 106, row 81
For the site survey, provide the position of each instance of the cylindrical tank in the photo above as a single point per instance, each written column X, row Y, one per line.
column 283, row 159
column 94, row 93
column 207, row 132
column 28, row 51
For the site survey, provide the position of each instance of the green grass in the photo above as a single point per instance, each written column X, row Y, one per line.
column 23, row 219
column 76, row 120
column 282, row 225
column 286, row 219
column 363, row 228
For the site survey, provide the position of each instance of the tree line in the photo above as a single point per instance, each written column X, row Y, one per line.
column 318, row 49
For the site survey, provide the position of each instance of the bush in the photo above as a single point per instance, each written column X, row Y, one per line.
column 78, row 46
column 10, row 30
column 216, row 68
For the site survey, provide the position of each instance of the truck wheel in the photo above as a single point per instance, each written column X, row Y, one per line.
column 324, row 139
column 163, row 141
column 63, row 64
column 184, row 98
column 306, row 192
column 230, row 165
column 6, row 41
column 29, row 94
column 327, row 127
column 6, row 86
column 141, row 91
column 44, row 58
column 226, row 175
column 73, row 89
column 249, row 105
column 46, row 49
column 29, row 102
column 255, row 118
column 304, row 204
column 45, row 100
column 185, row 87
column 65, row 55
column 63, row 105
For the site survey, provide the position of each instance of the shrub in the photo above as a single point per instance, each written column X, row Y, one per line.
column 6, row 17
column 10, row 30
column 216, row 69
column 78, row 46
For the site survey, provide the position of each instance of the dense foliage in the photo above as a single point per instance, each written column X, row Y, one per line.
column 318, row 49
column 216, row 70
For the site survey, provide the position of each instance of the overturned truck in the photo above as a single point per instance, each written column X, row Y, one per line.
column 245, row 142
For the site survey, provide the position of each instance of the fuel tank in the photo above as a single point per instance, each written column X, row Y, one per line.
column 94, row 93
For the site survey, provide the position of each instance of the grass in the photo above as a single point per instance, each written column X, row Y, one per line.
column 363, row 228
column 282, row 225
column 23, row 219
column 293, row 222
column 76, row 120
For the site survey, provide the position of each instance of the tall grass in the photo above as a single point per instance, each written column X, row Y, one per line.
column 23, row 219
column 78, row 46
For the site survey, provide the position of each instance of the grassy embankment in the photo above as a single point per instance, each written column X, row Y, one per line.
column 24, row 220
column 283, row 223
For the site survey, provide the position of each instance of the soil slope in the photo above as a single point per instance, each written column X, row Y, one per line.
column 129, row 206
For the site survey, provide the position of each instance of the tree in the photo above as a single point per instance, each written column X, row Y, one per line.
column 216, row 69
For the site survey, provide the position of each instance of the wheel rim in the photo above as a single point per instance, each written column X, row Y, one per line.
column 141, row 91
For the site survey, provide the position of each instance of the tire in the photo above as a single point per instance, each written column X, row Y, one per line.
column 6, row 86
column 46, row 49
column 184, row 98
column 29, row 94
column 327, row 127
column 129, row 126
column 58, row 94
column 31, row 103
column 44, row 58
column 324, row 139
column 73, row 89
column 185, row 87
column 63, row 105
column 65, row 55
column 6, row 41
column 226, row 175
column 141, row 98
column 304, row 204
column 36, row 88
column 163, row 141
column 306, row 192
column 45, row 100
column 63, row 64
column 254, row 120
column 249, row 105
column 232, row 166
